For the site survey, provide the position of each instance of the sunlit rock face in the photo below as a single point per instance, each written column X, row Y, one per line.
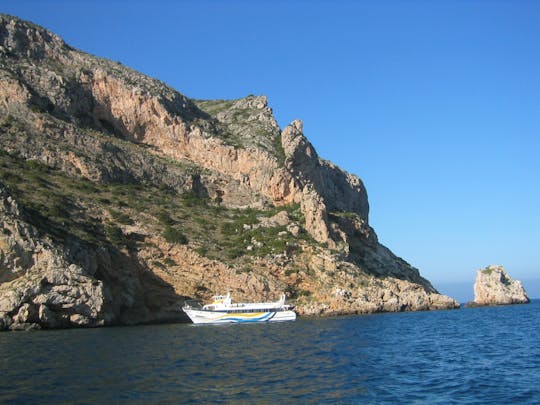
column 494, row 286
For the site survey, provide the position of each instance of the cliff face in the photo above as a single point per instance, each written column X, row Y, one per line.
column 493, row 286
column 149, row 197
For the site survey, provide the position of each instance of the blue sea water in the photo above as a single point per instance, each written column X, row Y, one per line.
column 475, row 355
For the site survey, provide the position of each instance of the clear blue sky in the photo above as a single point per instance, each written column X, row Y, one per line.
column 434, row 104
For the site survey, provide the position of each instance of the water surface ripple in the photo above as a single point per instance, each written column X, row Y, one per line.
column 477, row 355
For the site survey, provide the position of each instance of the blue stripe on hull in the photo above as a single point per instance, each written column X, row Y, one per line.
column 264, row 318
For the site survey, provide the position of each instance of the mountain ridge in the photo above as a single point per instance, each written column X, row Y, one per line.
column 189, row 197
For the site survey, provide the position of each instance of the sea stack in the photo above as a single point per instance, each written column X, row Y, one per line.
column 494, row 286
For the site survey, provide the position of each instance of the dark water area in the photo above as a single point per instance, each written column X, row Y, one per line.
column 472, row 355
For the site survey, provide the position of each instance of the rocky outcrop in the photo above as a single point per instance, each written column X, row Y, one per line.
column 493, row 286
column 75, row 285
column 40, row 288
column 132, row 197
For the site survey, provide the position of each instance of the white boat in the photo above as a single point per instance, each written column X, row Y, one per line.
column 222, row 310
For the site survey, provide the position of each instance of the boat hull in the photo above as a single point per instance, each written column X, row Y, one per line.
column 199, row 316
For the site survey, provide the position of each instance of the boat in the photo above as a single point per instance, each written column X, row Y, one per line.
column 223, row 310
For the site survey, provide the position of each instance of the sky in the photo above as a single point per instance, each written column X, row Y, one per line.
column 435, row 105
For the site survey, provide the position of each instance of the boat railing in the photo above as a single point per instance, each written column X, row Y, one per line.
column 192, row 304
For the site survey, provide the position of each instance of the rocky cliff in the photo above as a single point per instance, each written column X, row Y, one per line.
column 122, row 197
column 493, row 286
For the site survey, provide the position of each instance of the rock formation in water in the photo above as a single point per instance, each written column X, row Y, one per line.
column 493, row 286
column 120, row 198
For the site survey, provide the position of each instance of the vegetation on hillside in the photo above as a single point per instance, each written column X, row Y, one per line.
column 242, row 127
column 65, row 207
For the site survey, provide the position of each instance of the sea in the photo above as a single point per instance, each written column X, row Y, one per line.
column 488, row 355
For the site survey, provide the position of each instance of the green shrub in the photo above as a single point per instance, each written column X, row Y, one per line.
column 122, row 218
column 56, row 210
column 173, row 235
column 192, row 200
column 114, row 234
column 229, row 228
column 164, row 218
column 158, row 264
column 234, row 252
column 279, row 152
column 291, row 291
column 243, row 269
column 11, row 177
column 288, row 272
column 249, row 216
column 201, row 288
column 295, row 213
column 203, row 250
column 36, row 108
column 8, row 121
column 38, row 166
column 200, row 220
column 335, row 215
column 87, row 187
